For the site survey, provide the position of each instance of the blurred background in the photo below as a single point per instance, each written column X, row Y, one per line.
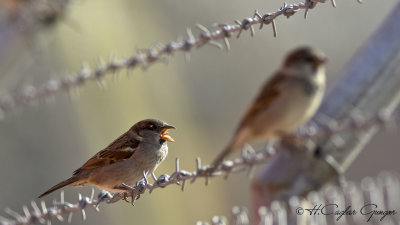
column 41, row 144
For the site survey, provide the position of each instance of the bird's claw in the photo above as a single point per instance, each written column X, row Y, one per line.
column 130, row 192
column 125, row 198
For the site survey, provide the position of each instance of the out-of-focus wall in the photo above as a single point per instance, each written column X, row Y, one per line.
column 204, row 98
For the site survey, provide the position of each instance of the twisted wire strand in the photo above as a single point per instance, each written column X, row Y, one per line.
column 157, row 53
column 382, row 191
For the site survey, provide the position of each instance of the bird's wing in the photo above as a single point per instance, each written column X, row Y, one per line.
column 269, row 93
column 121, row 149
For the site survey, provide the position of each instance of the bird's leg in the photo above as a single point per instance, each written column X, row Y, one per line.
column 125, row 195
column 125, row 198
column 131, row 190
column 118, row 195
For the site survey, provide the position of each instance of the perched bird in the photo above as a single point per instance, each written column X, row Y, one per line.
column 142, row 148
column 286, row 101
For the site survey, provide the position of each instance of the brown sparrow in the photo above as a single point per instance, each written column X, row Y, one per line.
column 142, row 148
column 287, row 100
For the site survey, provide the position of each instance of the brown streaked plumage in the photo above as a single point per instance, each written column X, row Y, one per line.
column 285, row 102
column 142, row 148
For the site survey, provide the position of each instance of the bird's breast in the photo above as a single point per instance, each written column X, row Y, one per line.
column 151, row 154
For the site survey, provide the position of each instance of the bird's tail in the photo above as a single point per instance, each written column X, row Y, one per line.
column 60, row 185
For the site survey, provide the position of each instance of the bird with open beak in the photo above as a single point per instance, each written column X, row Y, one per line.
column 142, row 148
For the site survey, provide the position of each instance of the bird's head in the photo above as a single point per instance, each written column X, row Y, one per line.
column 152, row 130
column 305, row 57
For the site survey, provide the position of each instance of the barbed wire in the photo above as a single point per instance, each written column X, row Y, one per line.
column 323, row 127
column 59, row 208
column 249, row 158
column 328, row 127
column 156, row 53
column 375, row 201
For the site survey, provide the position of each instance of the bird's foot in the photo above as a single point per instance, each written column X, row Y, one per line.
column 129, row 192
column 125, row 197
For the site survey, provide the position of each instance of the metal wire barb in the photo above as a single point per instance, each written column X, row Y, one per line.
column 157, row 53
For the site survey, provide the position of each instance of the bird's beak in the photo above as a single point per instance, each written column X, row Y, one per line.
column 320, row 61
column 164, row 133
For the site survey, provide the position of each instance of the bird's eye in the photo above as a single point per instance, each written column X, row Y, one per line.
column 310, row 59
column 152, row 127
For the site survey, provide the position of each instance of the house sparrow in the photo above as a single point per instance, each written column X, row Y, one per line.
column 287, row 100
column 142, row 148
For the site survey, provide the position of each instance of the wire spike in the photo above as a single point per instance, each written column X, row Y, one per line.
column 91, row 195
column 202, row 28
column 198, row 163
column 227, row 45
column 26, row 211
column 215, row 44
column 183, row 185
column 62, row 197
column 35, row 207
column 70, row 217
column 83, row 214
column 257, row 15
column 274, row 28
column 252, row 32
column 190, row 34
column 44, row 208
column 60, row 218
column 307, row 3
column 177, row 164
